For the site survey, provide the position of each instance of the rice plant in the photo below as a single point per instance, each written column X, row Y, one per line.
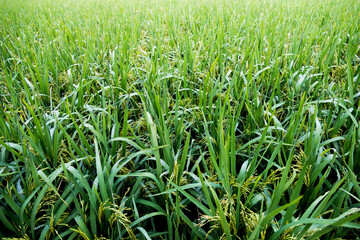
column 179, row 119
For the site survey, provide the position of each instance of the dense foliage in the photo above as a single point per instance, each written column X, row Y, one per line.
column 180, row 119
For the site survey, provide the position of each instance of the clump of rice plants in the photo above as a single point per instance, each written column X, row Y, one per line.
column 179, row 119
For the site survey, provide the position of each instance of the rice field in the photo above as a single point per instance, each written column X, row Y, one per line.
column 179, row 119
